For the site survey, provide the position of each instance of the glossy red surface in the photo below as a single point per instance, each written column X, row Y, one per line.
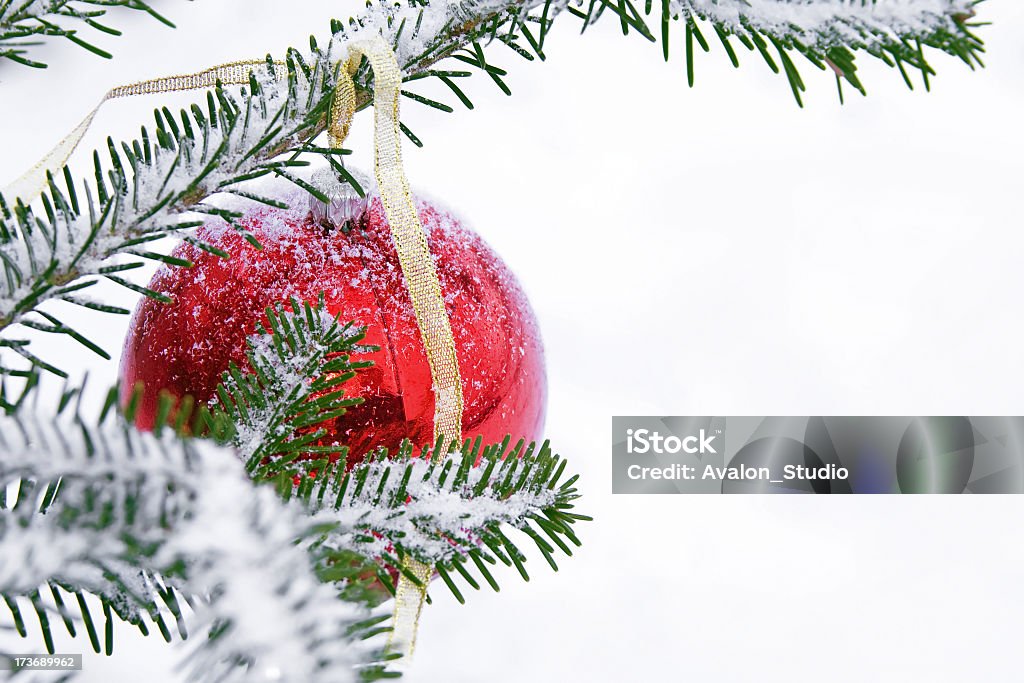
column 185, row 346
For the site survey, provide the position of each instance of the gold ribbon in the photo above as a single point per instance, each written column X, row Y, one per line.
column 420, row 276
column 406, row 232
column 32, row 183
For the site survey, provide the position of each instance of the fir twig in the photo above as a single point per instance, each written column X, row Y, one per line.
column 25, row 24
column 136, row 513
column 298, row 363
column 450, row 514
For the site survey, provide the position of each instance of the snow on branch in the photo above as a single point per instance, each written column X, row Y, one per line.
column 299, row 361
column 23, row 22
column 828, row 33
column 433, row 521
column 137, row 518
column 130, row 507
column 838, row 22
column 450, row 514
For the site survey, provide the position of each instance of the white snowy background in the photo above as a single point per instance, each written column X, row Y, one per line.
column 694, row 252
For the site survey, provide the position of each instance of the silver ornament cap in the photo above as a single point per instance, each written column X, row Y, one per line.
column 345, row 206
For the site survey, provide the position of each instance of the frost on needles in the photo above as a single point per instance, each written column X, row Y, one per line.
column 299, row 361
column 135, row 514
column 140, row 519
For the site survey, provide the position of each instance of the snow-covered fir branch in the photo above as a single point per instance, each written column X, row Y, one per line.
column 136, row 518
column 162, row 182
column 839, row 22
column 130, row 507
column 829, row 32
column 299, row 354
column 24, row 22
column 452, row 513
column 434, row 524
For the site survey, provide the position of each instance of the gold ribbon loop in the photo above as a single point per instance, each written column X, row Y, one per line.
column 420, row 276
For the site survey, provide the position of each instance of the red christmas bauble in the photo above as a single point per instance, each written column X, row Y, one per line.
column 184, row 346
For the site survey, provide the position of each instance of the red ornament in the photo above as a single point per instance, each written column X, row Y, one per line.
column 184, row 346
